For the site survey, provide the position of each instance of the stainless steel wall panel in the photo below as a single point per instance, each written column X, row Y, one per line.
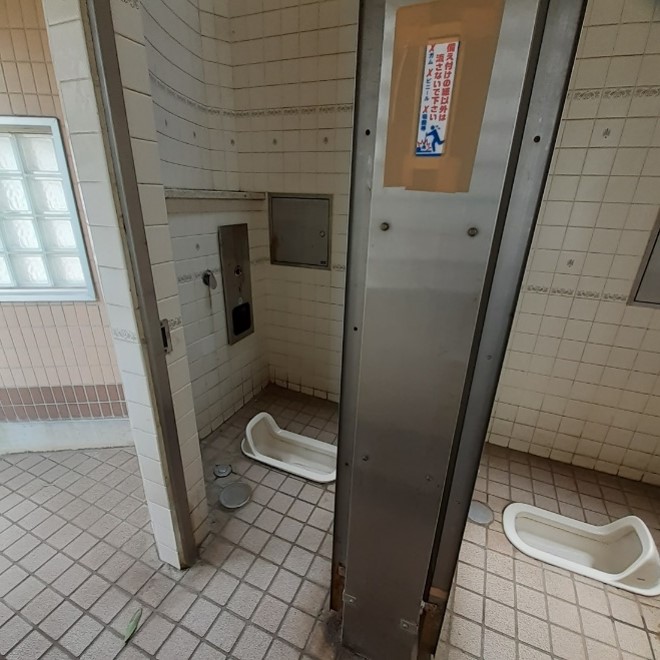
column 236, row 283
column 424, row 279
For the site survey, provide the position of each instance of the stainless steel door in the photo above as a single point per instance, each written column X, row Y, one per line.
column 411, row 331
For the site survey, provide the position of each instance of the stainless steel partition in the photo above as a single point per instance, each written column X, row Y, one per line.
column 421, row 266
column 236, row 281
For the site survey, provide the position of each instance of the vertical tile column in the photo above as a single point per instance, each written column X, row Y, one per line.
column 134, row 71
column 81, row 111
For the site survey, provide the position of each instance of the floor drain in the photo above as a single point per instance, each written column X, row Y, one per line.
column 221, row 471
column 480, row 513
column 235, row 495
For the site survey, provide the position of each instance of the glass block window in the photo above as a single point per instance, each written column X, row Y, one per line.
column 42, row 253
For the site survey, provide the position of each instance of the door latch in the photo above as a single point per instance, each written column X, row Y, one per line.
column 165, row 334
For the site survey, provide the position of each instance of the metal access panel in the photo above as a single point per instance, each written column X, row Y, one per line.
column 646, row 290
column 236, row 284
column 422, row 253
column 300, row 230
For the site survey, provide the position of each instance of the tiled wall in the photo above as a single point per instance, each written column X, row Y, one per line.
column 83, row 115
column 294, row 71
column 47, row 350
column 223, row 377
column 134, row 71
column 263, row 96
column 191, row 83
column 581, row 380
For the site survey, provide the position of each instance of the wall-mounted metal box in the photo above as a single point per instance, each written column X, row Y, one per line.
column 236, row 284
column 646, row 289
column 300, row 229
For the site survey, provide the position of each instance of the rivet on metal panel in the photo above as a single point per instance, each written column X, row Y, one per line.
column 472, row 231
column 409, row 626
column 384, row 226
column 365, row 458
column 348, row 599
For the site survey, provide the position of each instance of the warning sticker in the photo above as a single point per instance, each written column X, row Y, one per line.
column 437, row 87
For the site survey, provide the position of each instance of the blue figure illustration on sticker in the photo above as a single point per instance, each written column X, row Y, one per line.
column 436, row 140
column 432, row 142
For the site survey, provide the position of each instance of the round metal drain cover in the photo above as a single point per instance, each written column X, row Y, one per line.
column 480, row 513
column 222, row 470
column 235, row 495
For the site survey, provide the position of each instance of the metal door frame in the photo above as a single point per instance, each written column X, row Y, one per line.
column 545, row 90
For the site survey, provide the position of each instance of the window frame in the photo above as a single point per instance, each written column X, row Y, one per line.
column 53, row 294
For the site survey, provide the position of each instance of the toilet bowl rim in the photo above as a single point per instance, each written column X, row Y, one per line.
column 649, row 549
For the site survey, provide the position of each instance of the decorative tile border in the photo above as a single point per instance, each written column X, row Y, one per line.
column 620, row 297
column 577, row 293
column 22, row 404
column 190, row 277
column 613, row 93
column 295, row 110
column 125, row 335
column 261, row 112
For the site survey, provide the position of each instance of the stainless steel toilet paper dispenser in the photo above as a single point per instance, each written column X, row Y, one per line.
column 236, row 284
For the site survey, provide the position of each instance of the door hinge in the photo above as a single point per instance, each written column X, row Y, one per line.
column 430, row 626
column 409, row 626
column 165, row 334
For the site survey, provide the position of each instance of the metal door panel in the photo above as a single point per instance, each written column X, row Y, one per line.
column 423, row 285
column 503, row 282
column 646, row 289
column 300, row 230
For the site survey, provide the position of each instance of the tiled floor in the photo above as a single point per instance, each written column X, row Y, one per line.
column 77, row 557
column 275, row 551
column 77, row 560
column 506, row 606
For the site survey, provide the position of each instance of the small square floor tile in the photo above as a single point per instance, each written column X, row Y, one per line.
column 201, row 616
column 244, row 600
column 33, row 646
column 296, row 627
column 81, row 635
column 180, row 645
column 225, row 631
column 60, row 619
column 252, row 644
column 153, row 633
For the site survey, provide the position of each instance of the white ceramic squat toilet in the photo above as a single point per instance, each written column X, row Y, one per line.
column 622, row 553
column 305, row 457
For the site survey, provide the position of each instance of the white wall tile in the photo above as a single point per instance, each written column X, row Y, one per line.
column 589, row 344
column 67, row 41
